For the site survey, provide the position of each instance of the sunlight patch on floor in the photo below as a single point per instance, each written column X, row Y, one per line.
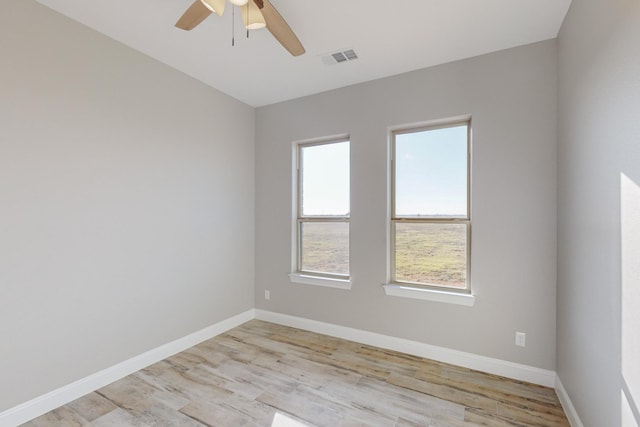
column 282, row 420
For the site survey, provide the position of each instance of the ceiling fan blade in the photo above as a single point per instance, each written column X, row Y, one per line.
column 280, row 29
column 196, row 13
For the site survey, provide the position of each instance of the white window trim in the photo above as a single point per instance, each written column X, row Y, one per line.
column 329, row 282
column 417, row 291
column 414, row 292
column 304, row 277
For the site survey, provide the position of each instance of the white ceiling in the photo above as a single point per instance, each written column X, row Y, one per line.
column 390, row 37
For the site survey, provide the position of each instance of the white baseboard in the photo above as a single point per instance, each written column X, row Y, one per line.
column 45, row 403
column 567, row 405
column 468, row 360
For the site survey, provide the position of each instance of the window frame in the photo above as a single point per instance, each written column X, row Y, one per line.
column 299, row 275
column 399, row 288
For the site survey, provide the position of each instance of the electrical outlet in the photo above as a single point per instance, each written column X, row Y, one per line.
column 267, row 295
column 521, row 339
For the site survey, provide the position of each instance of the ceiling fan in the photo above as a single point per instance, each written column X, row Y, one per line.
column 255, row 14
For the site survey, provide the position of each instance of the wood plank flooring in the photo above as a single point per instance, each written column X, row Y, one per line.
column 262, row 374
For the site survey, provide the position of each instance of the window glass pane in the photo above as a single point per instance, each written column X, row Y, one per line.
column 325, row 179
column 325, row 247
column 431, row 254
column 431, row 173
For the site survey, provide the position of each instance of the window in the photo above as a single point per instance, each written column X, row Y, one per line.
column 430, row 213
column 323, row 211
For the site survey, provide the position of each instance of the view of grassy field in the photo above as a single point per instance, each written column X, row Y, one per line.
column 431, row 253
column 325, row 247
column 425, row 253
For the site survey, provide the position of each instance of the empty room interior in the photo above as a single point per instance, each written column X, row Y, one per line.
column 297, row 213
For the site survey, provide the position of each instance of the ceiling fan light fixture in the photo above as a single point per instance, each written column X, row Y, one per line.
column 252, row 17
column 278, row 27
column 215, row 6
column 239, row 2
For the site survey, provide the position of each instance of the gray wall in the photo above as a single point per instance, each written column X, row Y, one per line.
column 512, row 98
column 599, row 220
column 126, row 203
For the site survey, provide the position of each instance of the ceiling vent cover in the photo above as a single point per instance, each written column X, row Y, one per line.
column 340, row 57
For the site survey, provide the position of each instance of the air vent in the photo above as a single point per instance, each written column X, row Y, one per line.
column 350, row 54
column 339, row 57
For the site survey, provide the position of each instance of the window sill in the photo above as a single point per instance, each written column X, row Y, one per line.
column 407, row 291
column 328, row 282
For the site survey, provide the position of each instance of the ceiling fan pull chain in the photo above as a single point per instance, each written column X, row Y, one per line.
column 233, row 26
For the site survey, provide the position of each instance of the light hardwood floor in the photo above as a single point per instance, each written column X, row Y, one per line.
column 262, row 374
